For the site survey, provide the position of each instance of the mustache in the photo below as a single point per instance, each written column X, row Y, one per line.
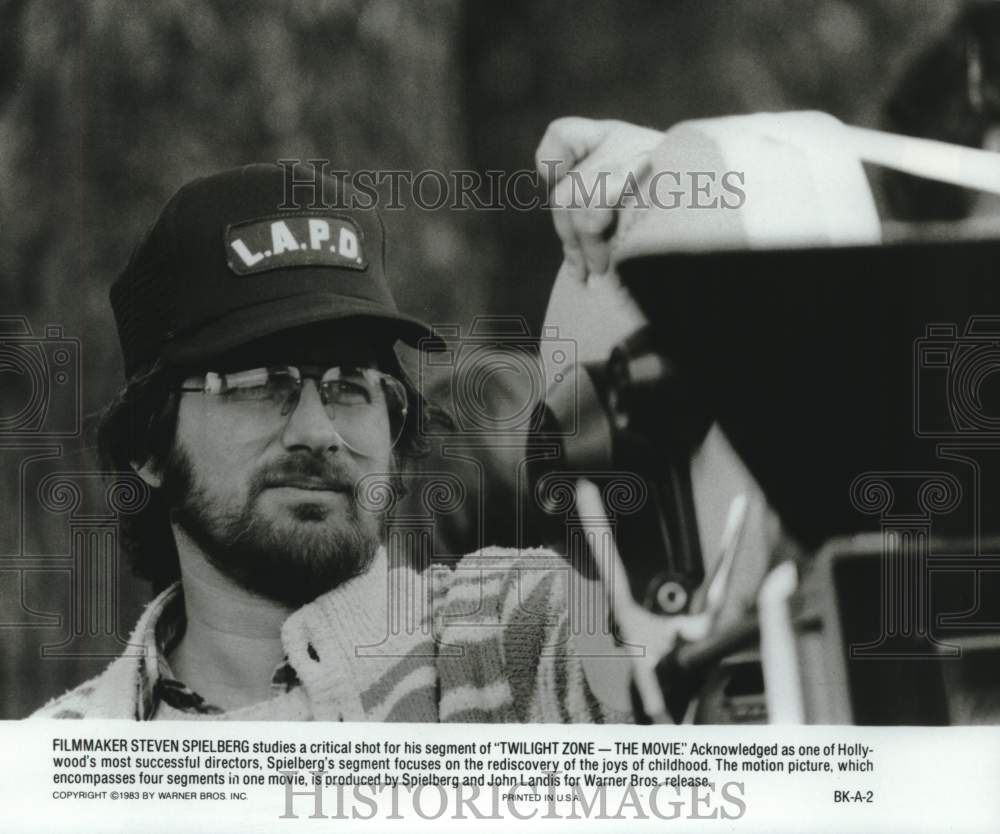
column 308, row 472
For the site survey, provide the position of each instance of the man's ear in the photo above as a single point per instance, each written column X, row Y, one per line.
column 150, row 472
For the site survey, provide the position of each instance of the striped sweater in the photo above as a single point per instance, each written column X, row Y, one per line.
column 499, row 637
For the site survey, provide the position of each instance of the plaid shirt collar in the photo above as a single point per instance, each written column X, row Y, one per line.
column 157, row 684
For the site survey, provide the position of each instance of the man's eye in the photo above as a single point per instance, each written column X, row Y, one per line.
column 279, row 388
column 257, row 385
column 347, row 392
column 242, row 393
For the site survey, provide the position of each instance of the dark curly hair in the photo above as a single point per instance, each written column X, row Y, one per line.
column 139, row 426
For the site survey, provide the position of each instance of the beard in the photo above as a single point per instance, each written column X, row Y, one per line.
column 292, row 555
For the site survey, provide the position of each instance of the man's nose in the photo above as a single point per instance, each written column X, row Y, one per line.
column 309, row 425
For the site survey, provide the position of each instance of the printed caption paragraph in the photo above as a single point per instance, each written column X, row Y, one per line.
column 432, row 777
column 197, row 768
column 667, row 776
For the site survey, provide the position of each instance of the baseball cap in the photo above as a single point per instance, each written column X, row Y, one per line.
column 226, row 263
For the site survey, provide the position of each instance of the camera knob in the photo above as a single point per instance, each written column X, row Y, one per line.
column 671, row 597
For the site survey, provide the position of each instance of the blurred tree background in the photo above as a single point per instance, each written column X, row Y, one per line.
column 106, row 107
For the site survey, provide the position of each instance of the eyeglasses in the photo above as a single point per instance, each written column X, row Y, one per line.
column 356, row 399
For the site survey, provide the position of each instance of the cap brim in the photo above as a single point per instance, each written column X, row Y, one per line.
column 243, row 326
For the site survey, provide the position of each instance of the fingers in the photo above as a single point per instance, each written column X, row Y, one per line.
column 583, row 214
column 566, row 142
column 588, row 165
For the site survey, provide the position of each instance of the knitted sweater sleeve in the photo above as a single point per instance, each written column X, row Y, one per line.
column 511, row 647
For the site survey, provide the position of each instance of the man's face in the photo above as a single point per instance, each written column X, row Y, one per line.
column 269, row 497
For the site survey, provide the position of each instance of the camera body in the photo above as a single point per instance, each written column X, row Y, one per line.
column 41, row 388
column 957, row 380
column 495, row 375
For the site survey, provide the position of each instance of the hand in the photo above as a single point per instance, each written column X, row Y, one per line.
column 574, row 157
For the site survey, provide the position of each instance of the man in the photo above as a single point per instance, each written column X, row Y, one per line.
column 268, row 413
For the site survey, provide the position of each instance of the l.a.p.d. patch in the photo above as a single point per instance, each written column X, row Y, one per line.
column 294, row 240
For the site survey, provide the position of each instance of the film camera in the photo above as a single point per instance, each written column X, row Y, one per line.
column 741, row 341
column 830, row 365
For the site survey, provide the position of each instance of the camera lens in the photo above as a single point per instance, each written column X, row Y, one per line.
column 24, row 388
column 497, row 389
column 974, row 384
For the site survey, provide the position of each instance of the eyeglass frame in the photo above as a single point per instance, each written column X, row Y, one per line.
column 214, row 385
